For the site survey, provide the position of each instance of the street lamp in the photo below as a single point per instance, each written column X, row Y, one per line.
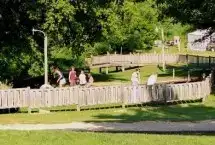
column 45, row 54
column 163, row 45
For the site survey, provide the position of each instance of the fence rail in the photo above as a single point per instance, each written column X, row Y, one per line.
column 141, row 59
column 123, row 94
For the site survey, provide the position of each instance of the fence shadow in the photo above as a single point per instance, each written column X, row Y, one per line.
column 183, row 70
column 107, row 78
column 167, row 106
column 176, row 113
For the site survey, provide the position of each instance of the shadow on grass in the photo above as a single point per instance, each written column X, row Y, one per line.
column 185, row 112
column 107, row 78
column 119, row 69
column 184, row 70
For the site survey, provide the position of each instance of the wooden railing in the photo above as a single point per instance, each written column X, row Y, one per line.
column 123, row 94
column 141, row 59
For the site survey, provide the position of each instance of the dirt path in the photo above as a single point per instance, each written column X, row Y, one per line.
column 146, row 126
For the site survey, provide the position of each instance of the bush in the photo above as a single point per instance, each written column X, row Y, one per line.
column 5, row 85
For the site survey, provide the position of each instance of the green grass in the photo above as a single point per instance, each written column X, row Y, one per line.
column 181, row 112
column 118, row 78
column 76, row 138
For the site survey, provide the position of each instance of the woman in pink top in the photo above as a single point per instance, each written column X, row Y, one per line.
column 72, row 77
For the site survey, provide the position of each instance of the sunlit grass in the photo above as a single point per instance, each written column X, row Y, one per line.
column 78, row 138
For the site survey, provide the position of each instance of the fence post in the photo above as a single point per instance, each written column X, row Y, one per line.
column 197, row 60
column 188, row 76
column 108, row 57
column 106, row 70
column 78, row 108
column 209, row 60
column 124, row 102
column 123, row 68
column 100, row 70
column 29, row 99
column 187, row 60
column 173, row 73
column 78, row 104
column 164, row 87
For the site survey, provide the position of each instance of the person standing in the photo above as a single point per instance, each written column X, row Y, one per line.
column 61, row 80
column 151, row 86
column 72, row 77
column 152, row 79
column 90, row 81
column 135, row 79
column 82, row 79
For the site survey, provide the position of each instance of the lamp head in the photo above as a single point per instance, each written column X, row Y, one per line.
column 33, row 30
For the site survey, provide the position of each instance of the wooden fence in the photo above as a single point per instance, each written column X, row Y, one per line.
column 123, row 94
column 119, row 94
column 141, row 59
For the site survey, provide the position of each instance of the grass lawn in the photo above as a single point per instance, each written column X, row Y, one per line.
column 181, row 112
column 181, row 73
column 76, row 138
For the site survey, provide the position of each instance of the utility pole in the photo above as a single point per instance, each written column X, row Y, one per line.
column 46, row 59
column 163, row 51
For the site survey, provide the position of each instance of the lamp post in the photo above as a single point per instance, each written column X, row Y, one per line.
column 45, row 55
column 163, row 45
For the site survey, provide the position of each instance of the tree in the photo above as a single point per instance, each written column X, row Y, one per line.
column 75, row 28
column 17, row 51
column 129, row 25
column 199, row 13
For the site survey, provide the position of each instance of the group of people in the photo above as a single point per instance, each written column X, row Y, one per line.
column 83, row 79
column 87, row 79
column 135, row 78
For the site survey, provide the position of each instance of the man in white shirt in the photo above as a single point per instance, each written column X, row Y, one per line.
column 150, row 85
column 152, row 79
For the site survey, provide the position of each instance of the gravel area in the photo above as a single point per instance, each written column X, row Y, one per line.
column 146, row 126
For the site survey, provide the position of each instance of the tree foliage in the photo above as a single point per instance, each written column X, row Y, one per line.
column 76, row 29
column 129, row 25
column 199, row 13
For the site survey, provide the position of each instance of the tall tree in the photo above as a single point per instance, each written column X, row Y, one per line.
column 75, row 29
column 199, row 13
column 17, row 51
column 129, row 25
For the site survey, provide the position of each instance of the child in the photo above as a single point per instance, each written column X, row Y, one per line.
column 135, row 78
column 90, row 81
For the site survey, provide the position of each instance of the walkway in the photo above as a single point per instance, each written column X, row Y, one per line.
column 146, row 126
